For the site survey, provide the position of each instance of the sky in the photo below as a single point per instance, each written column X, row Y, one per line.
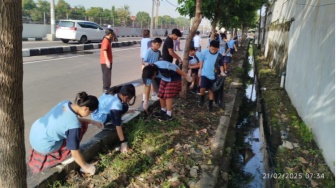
column 167, row 7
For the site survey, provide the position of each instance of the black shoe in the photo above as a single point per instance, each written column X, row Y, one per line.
column 210, row 106
column 201, row 101
column 159, row 114
column 198, row 90
column 165, row 117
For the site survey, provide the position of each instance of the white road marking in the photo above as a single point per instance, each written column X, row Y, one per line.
column 39, row 61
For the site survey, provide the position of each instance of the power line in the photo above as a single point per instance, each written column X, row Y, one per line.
column 172, row 4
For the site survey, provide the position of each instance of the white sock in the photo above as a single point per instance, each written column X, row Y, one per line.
column 169, row 113
column 164, row 109
column 143, row 97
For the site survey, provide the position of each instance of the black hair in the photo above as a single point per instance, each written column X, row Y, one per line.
column 223, row 35
column 113, row 90
column 125, row 90
column 235, row 38
column 145, row 33
column 157, row 40
column 149, row 71
column 192, row 48
column 177, row 32
column 90, row 101
column 197, row 32
column 109, row 31
column 129, row 91
column 214, row 43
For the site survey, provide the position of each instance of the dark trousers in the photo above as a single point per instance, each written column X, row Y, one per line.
column 107, row 72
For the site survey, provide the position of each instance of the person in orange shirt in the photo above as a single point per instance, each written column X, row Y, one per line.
column 106, row 58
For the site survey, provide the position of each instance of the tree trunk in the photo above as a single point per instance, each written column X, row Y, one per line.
column 215, row 18
column 194, row 27
column 13, row 172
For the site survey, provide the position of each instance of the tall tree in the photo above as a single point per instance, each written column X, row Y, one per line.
column 78, row 12
column 42, row 7
column 13, row 172
column 94, row 13
column 27, row 7
column 62, row 9
column 143, row 18
column 123, row 15
column 197, row 20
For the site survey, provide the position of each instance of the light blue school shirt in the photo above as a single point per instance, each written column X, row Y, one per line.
column 209, row 60
column 47, row 134
column 105, row 103
column 152, row 56
column 144, row 45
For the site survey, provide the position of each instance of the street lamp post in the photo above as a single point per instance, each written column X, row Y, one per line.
column 51, row 36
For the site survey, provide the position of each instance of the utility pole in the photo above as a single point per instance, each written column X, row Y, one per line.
column 51, row 36
column 157, row 17
column 151, row 21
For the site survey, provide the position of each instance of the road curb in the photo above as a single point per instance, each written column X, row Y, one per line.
column 33, row 39
column 27, row 52
column 89, row 149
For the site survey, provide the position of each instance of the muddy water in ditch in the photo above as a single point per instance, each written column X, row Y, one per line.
column 247, row 161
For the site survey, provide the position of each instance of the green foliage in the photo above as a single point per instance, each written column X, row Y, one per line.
column 62, row 10
column 143, row 16
column 123, row 15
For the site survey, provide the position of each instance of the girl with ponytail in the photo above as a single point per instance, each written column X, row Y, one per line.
column 113, row 104
column 57, row 134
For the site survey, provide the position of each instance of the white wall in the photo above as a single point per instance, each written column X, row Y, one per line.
column 35, row 30
column 310, row 71
column 40, row 30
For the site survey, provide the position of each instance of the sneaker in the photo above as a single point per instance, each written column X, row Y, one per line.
column 198, row 90
column 159, row 114
column 165, row 117
column 154, row 98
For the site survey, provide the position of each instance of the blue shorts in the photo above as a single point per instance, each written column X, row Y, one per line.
column 206, row 82
column 226, row 59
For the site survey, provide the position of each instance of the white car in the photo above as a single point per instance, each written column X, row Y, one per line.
column 79, row 30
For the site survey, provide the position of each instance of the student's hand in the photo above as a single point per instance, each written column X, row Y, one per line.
column 89, row 169
column 222, row 74
column 145, row 105
column 97, row 124
column 124, row 147
column 108, row 64
column 188, row 78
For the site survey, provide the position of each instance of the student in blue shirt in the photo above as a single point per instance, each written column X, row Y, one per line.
column 170, row 85
column 208, row 60
column 112, row 106
column 58, row 133
column 153, row 55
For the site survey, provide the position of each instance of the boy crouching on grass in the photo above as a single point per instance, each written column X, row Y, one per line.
column 170, row 86
column 208, row 60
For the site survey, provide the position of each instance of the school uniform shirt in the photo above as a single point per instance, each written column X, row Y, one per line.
column 209, row 61
column 117, row 109
column 193, row 60
column 222, row 49
column 197, row 41
column 165, row 67
column 101, row 114
column 47, row 134
column 152, row 56
column 144, row 45
column 231, row 44
column 168, row 43
column 105, row 46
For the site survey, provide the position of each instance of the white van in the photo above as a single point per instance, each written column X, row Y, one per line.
column 79, row 30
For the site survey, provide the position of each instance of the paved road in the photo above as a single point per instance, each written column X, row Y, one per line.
column 36, row 44
column 53, row 78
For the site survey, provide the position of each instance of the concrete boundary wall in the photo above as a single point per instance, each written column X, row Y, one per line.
column 307, row 54
column 40, row 31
